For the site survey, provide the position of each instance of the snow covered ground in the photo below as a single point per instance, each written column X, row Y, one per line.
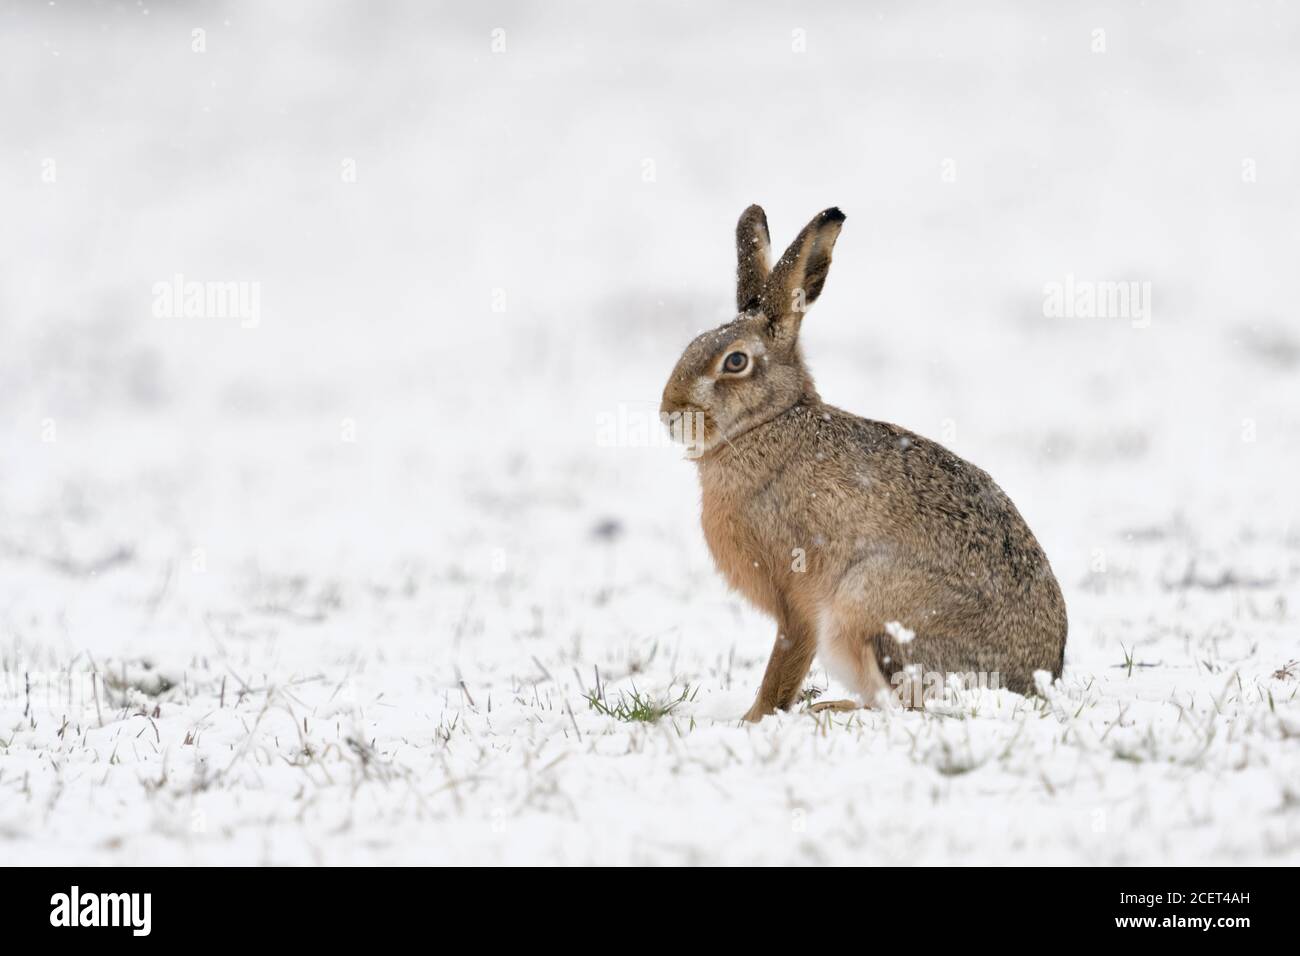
column 336, row 587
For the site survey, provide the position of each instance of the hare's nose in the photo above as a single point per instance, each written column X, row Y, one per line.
column 676, row 399
column 669, row 403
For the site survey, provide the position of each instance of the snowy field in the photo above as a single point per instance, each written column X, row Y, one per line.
column 339, row 582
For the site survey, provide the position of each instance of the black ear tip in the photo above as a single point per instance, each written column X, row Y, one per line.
column 833, row 215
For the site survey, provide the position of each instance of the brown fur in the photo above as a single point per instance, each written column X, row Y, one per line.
column 838, row 526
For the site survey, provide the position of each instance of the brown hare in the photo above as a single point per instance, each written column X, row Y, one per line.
column 880, row 551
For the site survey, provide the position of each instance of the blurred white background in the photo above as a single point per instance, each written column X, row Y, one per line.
column 592, row 169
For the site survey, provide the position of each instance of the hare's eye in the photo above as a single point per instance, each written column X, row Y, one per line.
column 735, row 362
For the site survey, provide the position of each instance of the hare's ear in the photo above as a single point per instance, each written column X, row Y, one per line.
column 752, row 258
column 797, row 279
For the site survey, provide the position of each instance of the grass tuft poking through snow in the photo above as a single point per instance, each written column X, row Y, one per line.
column 634, row 706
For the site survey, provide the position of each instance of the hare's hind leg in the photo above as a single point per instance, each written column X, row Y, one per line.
column 823, row 705
column 792, row 655
column 848, row 653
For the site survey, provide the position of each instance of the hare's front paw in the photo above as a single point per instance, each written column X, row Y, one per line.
column 758, row 711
